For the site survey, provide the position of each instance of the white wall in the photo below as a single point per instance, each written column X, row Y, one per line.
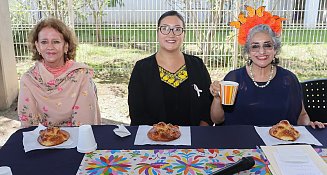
column 144, row 11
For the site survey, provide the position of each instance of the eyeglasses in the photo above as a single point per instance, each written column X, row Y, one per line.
column 165, row 30
column 265, row 46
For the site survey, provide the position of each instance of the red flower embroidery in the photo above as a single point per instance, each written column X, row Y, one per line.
column 35, row 73
column 51, row 82
column 70, row 74
column 45, row 109
column 92, row 73
column 75, row 107
column 60, row 88
column 23, row 118
column 27, row 99
column 236, row 151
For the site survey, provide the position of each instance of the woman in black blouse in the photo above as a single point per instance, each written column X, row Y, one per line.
column 170, row 86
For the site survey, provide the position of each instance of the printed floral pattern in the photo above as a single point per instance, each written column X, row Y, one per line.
column 108, row 165
column 53, row 94
column 170, row 161
column 156, row 162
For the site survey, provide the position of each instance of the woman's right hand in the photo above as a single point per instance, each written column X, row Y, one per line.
column 216, row 111
column 215, row 89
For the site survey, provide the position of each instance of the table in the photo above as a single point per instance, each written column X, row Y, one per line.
column 67, row 161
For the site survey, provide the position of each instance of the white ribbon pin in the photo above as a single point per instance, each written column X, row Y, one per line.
column 198, row 91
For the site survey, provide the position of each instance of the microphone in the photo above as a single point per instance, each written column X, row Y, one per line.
column 243, row 164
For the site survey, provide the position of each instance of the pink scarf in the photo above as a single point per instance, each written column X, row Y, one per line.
column 68, row 100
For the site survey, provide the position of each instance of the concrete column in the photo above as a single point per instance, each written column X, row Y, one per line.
column 311, row 13
column 8, row 72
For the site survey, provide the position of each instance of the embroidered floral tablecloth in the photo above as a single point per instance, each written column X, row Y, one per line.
column 169, row 161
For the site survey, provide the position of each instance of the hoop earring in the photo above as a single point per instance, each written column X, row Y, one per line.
column 249, row 62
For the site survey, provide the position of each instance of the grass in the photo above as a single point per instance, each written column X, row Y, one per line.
column 306, row 61
column 304, row 36
column 113, row 65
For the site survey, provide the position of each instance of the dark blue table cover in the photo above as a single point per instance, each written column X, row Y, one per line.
column 67, row 161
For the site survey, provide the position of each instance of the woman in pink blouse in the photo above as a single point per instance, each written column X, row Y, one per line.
column 56, row 91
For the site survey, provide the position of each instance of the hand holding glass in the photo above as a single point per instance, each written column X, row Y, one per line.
column 228, row 91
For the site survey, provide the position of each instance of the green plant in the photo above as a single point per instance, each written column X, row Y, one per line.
column 110, row 64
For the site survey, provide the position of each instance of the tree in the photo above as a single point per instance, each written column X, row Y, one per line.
column 36, row 10
column 211, row 19
column 18, row 13
column 98, row 7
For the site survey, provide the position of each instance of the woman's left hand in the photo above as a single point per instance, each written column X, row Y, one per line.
column 318, row 124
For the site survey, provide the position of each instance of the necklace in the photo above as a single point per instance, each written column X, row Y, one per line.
column 267, row 83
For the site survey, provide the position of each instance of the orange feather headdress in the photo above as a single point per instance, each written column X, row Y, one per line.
column 256, row 17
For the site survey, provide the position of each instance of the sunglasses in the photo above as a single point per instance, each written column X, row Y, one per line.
column 265, row 47
column 165, row 30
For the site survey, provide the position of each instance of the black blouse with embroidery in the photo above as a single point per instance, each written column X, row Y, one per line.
column 176, row 96
column 152, row 99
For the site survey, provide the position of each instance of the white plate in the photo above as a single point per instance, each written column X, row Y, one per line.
column 30, row 139
column 141, row 137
